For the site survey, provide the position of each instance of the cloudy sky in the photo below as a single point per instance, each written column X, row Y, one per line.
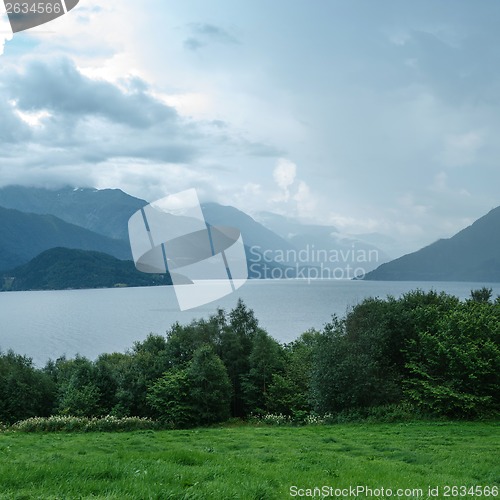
column 370, row 116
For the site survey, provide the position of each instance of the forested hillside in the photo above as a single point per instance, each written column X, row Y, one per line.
column 63, row 268
column 25, row 235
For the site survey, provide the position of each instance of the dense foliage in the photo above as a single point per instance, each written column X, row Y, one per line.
column 424, row 353
column 63, row 268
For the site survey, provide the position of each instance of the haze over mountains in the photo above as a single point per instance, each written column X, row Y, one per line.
column 473, row 254
column 33, row 220
column 91, row 219
column 326, row 246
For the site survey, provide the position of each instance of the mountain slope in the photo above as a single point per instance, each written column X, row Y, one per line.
column 62, row 268
column 473, row 254
column 104, row 211
column 254, row 234
column 107, row 212
column 23, row 236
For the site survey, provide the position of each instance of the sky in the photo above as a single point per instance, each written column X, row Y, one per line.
column 374, row 117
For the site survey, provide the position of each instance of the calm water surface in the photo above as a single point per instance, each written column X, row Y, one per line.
column 46, row 325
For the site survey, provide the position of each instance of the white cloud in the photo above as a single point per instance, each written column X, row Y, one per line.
column 306, row 202
column 284, row 175
column 5, row 28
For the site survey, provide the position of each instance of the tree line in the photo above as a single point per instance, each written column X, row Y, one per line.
column 428, row 352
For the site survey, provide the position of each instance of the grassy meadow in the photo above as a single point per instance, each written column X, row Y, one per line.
column 247, row 462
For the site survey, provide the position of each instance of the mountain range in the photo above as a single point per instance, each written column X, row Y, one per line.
column 103, row 211
column 92, row 219
column 33, row 220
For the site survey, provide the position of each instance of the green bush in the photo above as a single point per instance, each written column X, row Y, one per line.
column 199, row 394
column 455, row 370
column 24, row 390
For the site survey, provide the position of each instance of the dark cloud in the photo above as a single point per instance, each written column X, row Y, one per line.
column 192, row 43
column 87, row 121
column 212, row 31
column 203, row 34
column 13, row 129
column 77, row 123
column 60, row 88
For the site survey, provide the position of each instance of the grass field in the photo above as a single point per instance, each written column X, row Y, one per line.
column 245, row 462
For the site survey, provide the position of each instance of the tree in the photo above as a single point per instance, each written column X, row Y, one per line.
column 482, row 295
column 182, row 341
column 210, row 387
column 235, row 348
column 149, row 360
column 171, row 399
column 289, row 393
column 455, row 370
column 78, row 394
column 198, row 394
column 361, row 362
column 24, row 390
column 266, row 359
column 231, row 337
column 117, row 381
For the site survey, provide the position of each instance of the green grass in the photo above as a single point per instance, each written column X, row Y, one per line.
column 245, row 462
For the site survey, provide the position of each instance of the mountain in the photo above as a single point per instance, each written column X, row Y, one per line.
column 473, row 254
column 255, row 235
column 390, row 246
column 273, row 248
column 288, row 227
column 107, row 211
column 325, row 246
column 24, row 235
column 63, row 268
column 104, row 211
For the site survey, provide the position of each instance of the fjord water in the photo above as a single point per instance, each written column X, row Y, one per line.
column 46, row 325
